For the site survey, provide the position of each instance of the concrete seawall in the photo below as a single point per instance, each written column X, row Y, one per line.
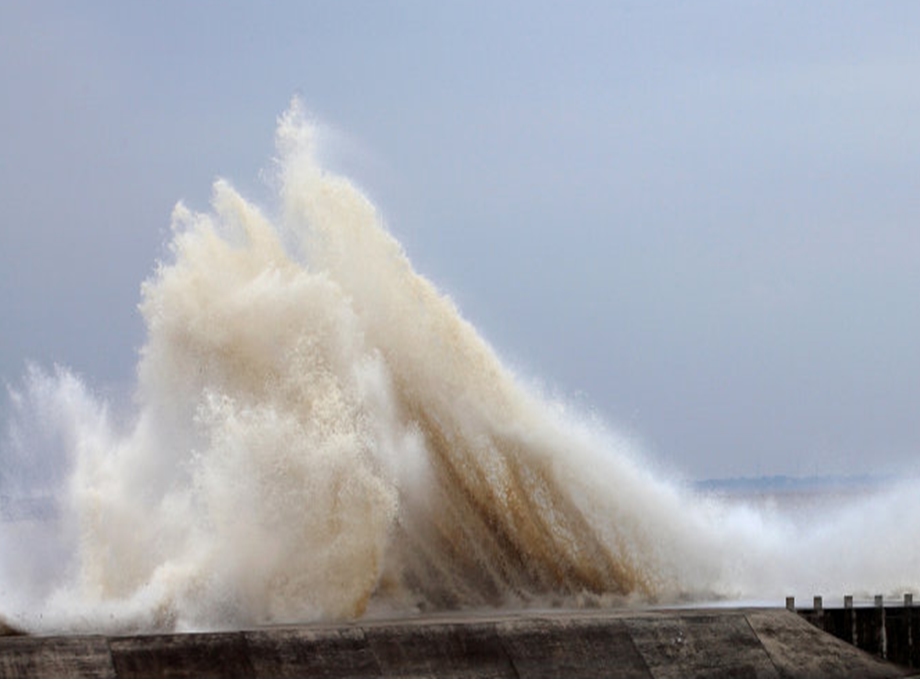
column 743, row 643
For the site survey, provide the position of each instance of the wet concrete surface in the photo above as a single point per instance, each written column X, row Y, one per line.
column 681, row 643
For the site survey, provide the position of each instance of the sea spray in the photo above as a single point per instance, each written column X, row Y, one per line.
column 319, row 434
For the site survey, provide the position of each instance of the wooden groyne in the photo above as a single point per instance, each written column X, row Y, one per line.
column 888, row 629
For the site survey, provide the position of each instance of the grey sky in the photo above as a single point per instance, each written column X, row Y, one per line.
column 699, row 219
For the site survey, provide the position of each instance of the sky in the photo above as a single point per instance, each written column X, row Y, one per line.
column 697, row 221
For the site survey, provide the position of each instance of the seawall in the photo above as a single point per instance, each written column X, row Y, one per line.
column 743, row 643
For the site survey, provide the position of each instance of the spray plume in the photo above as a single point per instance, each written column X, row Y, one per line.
column 320, row 435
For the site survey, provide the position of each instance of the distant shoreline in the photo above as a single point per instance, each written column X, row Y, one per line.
column 781, row 483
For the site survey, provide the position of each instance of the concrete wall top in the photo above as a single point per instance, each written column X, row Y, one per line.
column 743, row 643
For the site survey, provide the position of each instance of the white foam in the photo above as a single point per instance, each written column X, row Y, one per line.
column 320, row 434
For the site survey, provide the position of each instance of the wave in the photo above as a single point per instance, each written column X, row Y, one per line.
column 317, row 433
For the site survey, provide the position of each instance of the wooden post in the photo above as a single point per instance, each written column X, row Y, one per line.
column 912, row 653
column 882, row 633
column 819, row 613
column 849, row 619
column 790, row 603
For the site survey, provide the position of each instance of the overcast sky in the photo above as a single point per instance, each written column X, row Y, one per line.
column 697, row 219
